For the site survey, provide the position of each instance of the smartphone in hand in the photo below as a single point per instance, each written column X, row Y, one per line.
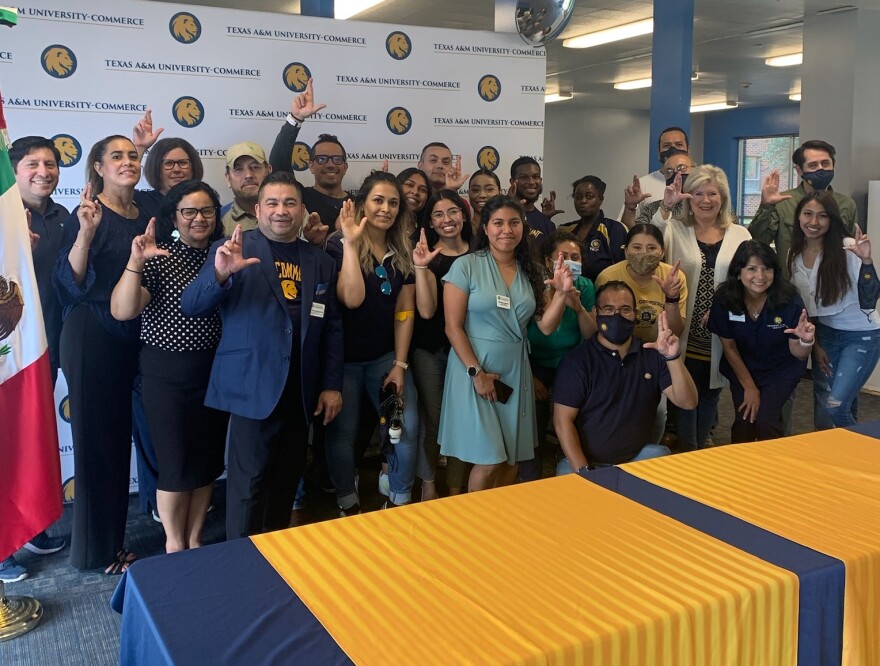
column 502, row 391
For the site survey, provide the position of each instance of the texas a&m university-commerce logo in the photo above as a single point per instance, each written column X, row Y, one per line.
column 398, row 45
column 58, row 61
column 185, row 27
column 188, row 111
column 69, row 148
column 296, row 75
column 398, row 120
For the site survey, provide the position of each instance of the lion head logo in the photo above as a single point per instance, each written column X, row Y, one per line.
column 58, row 61
column 67, row 490
column 64, row 409
column 185, row 27
column 296, row 76
column 299, row 158
column 489, row 88
column 69, row 149
column 188, row 111
column 398, row 120
column 488, row 158
column 398, row 45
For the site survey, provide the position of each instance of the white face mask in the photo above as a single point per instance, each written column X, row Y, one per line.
column 574, row 267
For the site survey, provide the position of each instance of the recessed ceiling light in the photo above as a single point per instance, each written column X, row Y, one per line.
column 557, row 97
column 626, row 31
column 633, row 85
column 786, row 60
column 343, row 9
column 715, row 106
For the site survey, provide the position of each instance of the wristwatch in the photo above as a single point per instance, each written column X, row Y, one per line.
column 473, row 370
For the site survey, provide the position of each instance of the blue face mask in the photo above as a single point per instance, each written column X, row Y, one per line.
column 574, row 267
column 819, row 180
column 616, row 328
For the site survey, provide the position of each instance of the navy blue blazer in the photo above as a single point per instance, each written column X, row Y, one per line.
column 253, row 359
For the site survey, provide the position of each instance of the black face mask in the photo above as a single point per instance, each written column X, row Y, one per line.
column 819, row 180
column 616, row 328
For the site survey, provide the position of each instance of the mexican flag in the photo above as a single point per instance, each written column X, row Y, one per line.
column 30, row 489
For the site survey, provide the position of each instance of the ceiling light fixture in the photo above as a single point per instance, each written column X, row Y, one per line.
column 786, row 60
column 715, row 106
column 557, row 97
column 343, row 9
column 633, row 85
column 626, row 31
column 795, row 97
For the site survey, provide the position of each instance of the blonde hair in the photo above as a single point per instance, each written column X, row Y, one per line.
column 701, row 175
column 397, row 237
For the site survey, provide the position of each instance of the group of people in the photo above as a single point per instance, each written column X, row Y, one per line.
column 294, row 313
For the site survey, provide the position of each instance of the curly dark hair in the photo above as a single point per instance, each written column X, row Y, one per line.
column 832, row 281
column 732, row 293
column 467, row 230
column 523, row 254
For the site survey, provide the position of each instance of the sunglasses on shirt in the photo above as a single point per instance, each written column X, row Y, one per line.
column 383, row 275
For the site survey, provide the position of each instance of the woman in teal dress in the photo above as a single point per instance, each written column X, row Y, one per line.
column 494, row 296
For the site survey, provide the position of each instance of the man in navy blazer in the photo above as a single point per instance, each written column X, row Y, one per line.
column 279, row 362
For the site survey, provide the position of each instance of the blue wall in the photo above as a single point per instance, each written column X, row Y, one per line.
column 722, row 131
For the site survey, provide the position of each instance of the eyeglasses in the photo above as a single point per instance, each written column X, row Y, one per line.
column 168, row 165
column 625, row 310
column 438, row 215
column 383, row 275
column 336, row 159
column 681, row 168
column 189, row 214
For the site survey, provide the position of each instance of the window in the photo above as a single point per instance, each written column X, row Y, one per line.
column 758, row 156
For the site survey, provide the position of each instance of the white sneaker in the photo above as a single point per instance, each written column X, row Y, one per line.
column 384, row 485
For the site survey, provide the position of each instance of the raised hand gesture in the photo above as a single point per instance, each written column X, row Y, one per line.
column 89, row 212
column 770, row 195
column 350, row 228
column 511, row 192
column 805, row 329
column 229, row 260
column 303, row 105
column 862, row 246
column 384, row 166
column 144, row 247
column 143, row 137
column 562, row 279
column 548, row 206
column 315, row 231
column 454, row 177
column 672, row 194
column 422, row 254
column 35, row 238
column 633, row 195
column 667, row 343
column 671, row 284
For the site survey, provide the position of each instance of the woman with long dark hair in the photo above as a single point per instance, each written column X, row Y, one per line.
column 837, row 280
column 176, row 359
column 489, row 297
column 766, row 337
column 416, row 187
column 99, row 355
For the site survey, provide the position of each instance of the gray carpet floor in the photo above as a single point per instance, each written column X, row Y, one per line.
column 79, row 628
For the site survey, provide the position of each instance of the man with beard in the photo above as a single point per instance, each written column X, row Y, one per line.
column 814, row 163
column 607, row 389
column 246, row 167
column 328, row 164
column 444, row 172
column 652, row 185
column 527, row 185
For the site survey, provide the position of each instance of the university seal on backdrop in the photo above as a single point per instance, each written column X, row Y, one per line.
column 299, row 158
column 69, row 148
column 489, row 88
column 64, row 409
column 188, row 111
column 67, row 490
column 185, row 27
column 398, row 120
column 296, row 75
column 398, row 45
column 488, row 158
column 58, row 61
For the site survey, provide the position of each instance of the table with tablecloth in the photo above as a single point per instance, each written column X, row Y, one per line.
column 749, row 554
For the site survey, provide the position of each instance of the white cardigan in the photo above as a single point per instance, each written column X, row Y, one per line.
column 681, row 243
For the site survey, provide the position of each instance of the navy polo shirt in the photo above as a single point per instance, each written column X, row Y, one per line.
column 369, row 328
column 48, row 226
column 604, row 244
column 762, row 343
column 616, row 398
column 326, row 207
column 540, row 224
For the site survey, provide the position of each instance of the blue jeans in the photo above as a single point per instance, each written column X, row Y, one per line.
column 648, row 451
column 852, row 355
column 360, row 379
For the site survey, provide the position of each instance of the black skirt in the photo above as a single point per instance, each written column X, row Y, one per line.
column 188, row 437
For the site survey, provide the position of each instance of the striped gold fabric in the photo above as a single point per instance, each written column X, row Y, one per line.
column 553, row 572
column 821, row 490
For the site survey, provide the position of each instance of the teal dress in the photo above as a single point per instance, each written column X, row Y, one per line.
column 472, row 428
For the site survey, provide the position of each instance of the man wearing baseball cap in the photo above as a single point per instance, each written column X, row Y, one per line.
column 246, row 167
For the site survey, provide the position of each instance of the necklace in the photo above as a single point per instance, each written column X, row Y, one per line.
column 755, row 311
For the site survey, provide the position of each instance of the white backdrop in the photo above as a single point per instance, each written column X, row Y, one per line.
column 218, row 76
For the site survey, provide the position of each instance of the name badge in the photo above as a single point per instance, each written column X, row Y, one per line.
column 503, row 302
column 736, row 317
column 317, row 310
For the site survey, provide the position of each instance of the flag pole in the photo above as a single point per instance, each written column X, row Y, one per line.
column 18, row 615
